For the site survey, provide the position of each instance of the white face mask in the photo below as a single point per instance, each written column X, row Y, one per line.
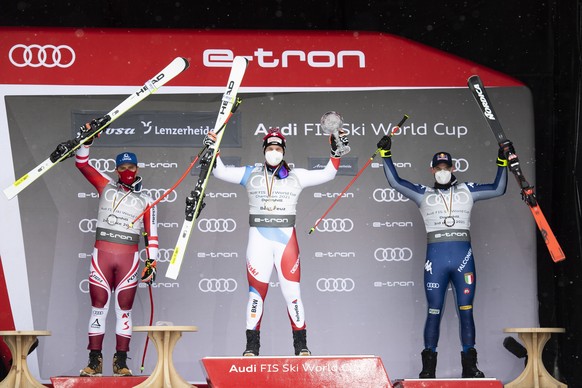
column 442, row 176
column 273, row 157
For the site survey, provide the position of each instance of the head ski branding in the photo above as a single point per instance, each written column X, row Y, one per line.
column 227, row 97
column 150, row 85
column 486, row 108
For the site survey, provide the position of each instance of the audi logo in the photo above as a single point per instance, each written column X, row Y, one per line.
column 136, row 203
column 258, row 182
column 103, row 165
column 335, row 285
column 217, row 285
column 388, row 195
column 393, row 254
column 157, row 193
column 35, row 55
column 335, row 225
column 461, row 164
column 164, row 255
column 87, row 225
column 459, row 197
column 431, row 285
column 220, row 225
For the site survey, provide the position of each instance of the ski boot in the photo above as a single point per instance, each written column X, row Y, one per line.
column 300, row 343
column 469, row 363
column 253, row 343
column 95, row 366
column 120, row 364
column 429, row 361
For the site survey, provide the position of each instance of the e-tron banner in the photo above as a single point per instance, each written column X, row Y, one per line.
column 362, row 269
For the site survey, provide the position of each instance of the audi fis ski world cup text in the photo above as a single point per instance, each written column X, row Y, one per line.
column 361, row 129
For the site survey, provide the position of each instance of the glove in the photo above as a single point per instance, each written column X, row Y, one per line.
column 384, row 145
column 506, row 151
column 209, row 139
column 148, row 275
column 340, row 145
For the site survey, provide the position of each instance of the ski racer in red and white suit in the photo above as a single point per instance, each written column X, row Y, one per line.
column 273, row 189
column 115, row 259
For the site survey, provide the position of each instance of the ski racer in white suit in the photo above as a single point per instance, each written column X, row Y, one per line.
column 273, row 189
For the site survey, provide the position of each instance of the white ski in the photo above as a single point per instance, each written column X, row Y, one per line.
column 194, row 202
column 177, row 66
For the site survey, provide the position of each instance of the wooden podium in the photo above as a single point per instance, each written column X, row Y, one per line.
column 535, row 374
column 165, row 338
column 20, row 343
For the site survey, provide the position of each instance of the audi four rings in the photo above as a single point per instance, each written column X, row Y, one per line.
column 36, row 55
column 335, row 225
column 217, row 285
column 103, row 165
column 393, row 254
column 388, row 195
column 335, row 284
column 216, row 225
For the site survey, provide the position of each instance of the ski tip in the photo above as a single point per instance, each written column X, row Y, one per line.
column 240, row 59
column 474, row 79
column 186, row 63
column 9, row 194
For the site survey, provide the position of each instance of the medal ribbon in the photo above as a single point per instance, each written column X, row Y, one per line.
column 450, row 207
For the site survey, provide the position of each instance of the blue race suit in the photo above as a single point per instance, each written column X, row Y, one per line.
column 449, row 256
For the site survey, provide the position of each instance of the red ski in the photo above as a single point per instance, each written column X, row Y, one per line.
column 527, row 191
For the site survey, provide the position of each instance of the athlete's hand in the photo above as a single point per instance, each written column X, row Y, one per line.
column 340, row 145
column 385, row 143
column 505, row 152
column 384, row 146
column 148, row 275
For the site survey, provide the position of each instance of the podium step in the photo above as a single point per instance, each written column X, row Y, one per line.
column 297, row 372
column 97, row 382
column 448, row 383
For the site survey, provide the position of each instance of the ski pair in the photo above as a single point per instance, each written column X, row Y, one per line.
column 195, row 201
column 527, row 191
column 66, row 149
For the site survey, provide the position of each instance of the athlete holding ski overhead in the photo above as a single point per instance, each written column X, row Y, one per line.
column 115, row 259
column 273, row 189
column 446, row 211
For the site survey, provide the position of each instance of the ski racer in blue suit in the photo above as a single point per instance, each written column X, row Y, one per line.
column 446, row 211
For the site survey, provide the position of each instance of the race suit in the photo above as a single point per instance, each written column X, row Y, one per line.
column 115, row 259
column 272, row 237
column 449, row 256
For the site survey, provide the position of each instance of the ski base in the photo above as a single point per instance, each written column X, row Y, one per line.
column 228, row 104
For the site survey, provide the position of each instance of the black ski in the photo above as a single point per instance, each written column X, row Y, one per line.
column 527, row 191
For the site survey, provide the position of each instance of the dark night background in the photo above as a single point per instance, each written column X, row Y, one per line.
column 535, row 41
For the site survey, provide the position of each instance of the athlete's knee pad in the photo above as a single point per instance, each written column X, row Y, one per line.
column 123, row 324
column 97, row 320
